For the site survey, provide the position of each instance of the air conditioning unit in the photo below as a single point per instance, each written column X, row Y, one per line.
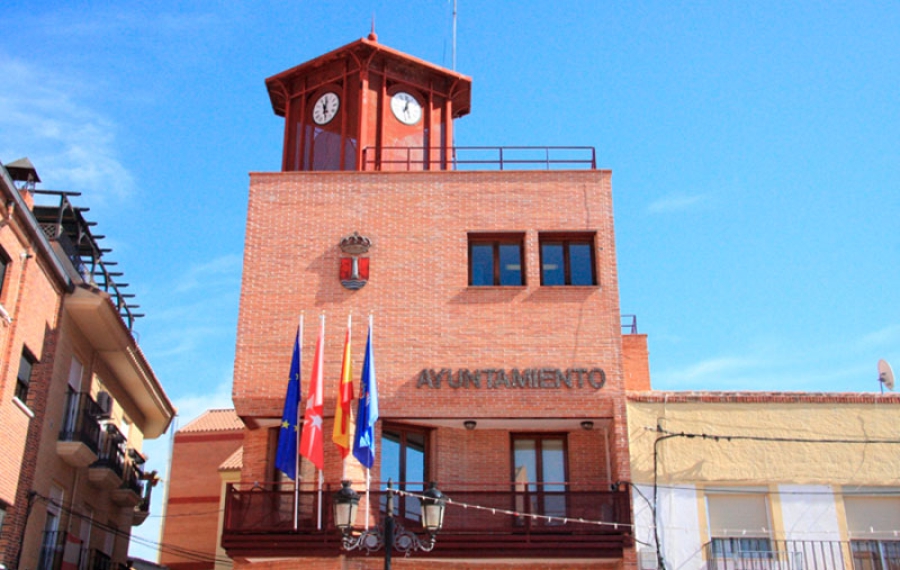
column 104, row 401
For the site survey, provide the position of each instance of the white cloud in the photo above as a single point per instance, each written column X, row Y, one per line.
column 72, row 145
column 711, row 371
column 224, row 270
column 676, row 203
column 887, row 336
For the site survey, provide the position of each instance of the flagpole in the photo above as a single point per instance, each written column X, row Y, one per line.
column 297, row 437
column 321, row 473
column 368, row 470
column 340, row 391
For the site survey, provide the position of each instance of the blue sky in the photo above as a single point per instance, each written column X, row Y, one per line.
column 755, row 150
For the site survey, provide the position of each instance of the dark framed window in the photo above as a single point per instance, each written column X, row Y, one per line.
column 568, row 259
column 4, row 263
column 875, row 554
column 496, row 259
column 540, row 473
column 23, row 379
column 404, row 461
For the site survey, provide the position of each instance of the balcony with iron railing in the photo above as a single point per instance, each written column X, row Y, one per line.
column 99, row 560
column 108, row 472
column 129, row 494
column 79, row 438
column 767, row 554
column 471, row 158
column 501, row 523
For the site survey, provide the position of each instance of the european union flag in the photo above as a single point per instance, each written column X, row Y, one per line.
column 367, row 413
column 286, row 457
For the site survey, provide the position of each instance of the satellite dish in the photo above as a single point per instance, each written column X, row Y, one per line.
column 885, row 375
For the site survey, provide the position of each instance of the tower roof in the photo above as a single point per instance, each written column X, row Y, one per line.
column 367, row 53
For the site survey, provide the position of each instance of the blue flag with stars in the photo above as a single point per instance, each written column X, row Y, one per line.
column 367, row 413
column 286, row 457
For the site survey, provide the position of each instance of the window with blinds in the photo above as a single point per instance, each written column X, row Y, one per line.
column 873, row 523
column 739, row 524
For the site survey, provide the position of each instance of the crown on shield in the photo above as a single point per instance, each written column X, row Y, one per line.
column 355, row 244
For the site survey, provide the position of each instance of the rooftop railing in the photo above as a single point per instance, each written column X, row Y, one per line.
column 480, row 158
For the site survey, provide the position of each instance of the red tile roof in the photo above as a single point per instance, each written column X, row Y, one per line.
column 213, row 421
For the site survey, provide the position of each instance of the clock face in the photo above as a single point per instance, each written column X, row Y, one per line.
column 326, row 108
column 406, row 108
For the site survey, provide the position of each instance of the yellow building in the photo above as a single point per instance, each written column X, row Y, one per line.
column 730, row 480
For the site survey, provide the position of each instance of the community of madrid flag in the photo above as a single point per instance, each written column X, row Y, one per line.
column 341, row 435
column 286, row 457
column 312, row 444
column 367, row 414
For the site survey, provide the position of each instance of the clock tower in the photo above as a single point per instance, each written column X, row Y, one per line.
column 365, row 106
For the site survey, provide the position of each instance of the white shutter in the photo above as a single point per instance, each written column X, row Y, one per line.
column 871, row 517
column 736, row 514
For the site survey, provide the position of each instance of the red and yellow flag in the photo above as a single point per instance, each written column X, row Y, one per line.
column 341, row 436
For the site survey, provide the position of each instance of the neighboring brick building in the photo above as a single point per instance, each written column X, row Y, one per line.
column 78, row 395
column 190, row 534
column 498, row 339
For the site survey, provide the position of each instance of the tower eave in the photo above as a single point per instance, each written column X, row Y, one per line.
column 362, row 50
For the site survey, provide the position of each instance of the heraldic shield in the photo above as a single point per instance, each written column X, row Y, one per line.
column 354, row 272
column 355, row 269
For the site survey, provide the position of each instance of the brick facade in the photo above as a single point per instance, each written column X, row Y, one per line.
column 49, row 309
column 426, row 317
column 194, row 493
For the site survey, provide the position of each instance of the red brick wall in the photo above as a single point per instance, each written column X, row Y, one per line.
column 635, row 362
column 31, row 296
column 192, row 512
column 426, row 316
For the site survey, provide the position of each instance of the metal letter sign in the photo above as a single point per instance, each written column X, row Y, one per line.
column 354, row 271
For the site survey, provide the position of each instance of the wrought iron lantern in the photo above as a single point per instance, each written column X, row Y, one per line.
column 390, row 535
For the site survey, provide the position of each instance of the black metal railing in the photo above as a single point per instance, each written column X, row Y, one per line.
column 65, row 224
column 260, row 510
column 629, row 324
column 133, row 477
column 99, row 560
column 51, row 550
column 80, row 420
column 749, row 553
column 480, row 158
column 111, row 453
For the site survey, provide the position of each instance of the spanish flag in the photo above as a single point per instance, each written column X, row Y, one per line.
column 341, row 436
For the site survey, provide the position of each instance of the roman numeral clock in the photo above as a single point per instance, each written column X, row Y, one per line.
column 365, row 106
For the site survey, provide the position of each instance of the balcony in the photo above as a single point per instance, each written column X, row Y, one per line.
column 766, row 554
column 108, row 472
column 129, row 494
column 471, row 158
column 78, row 443
column 259, row 523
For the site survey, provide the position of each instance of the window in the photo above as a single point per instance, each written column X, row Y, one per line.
column 738, row 524
column 404, row 461
column 567, row 259
column 539, row 474
column 871, row 524
column 4, row 263
column 26, row 363
column 52, row 540
column 496, row 260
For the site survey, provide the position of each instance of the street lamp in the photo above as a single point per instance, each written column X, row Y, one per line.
column 391, row 535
